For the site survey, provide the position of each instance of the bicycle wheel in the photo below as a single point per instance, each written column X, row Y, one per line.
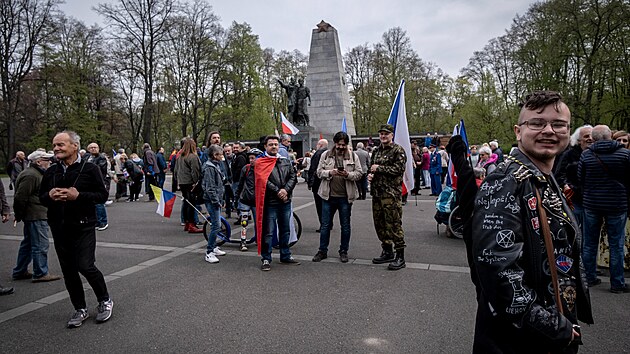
column 456, row 223
column 298, row 228
column 223, row 235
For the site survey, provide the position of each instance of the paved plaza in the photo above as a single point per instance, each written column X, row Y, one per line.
column 168, row 299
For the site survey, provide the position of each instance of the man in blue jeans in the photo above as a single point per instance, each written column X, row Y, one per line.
column 277, row 204
column 28, row 208
column 339, row 170
column 213, row 189
column 602, row 172
column 100, row 160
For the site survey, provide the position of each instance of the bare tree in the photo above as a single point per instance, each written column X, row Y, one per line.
column 141, row 23
column 24, row 25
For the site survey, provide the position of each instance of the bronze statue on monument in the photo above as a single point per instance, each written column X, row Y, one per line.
column 296, row 101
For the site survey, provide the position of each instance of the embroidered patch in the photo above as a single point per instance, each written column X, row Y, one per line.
column 535, row 223
column 564, row 263
column 532, row 203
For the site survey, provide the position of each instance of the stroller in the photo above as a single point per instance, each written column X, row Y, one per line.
column 446, row 206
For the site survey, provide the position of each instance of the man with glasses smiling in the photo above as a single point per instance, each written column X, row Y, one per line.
column 526, row 305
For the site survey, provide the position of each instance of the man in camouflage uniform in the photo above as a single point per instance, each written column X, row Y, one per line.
column 386, row 174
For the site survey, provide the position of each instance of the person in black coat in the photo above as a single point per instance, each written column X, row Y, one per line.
column 314, row 181
column 70, row 190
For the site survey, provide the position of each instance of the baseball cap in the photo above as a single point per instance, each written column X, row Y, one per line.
column 386, row 128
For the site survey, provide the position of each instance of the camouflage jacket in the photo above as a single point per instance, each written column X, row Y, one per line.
column 387, row 180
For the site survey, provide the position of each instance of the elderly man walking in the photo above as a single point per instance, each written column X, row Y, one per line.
column 28, row 208
column 603, row 172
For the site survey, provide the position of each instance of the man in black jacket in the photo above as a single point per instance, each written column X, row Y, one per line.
column 277, row 211
column 603, row 172
column 529, row 302
column 94, row 156
column 314, row 181
column 70, row 189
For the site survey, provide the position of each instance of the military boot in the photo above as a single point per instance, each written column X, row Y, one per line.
column 399, row 262
column 386, row 256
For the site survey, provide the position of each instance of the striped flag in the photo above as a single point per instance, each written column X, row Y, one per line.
column 451, row 178
column 287, row 127
column 165, row 200
column 398, row 118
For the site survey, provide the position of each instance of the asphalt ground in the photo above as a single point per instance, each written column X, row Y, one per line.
column 168, row 299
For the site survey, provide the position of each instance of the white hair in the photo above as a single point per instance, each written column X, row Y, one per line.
column 494, row 144
column 575, row 137
column 485, row 150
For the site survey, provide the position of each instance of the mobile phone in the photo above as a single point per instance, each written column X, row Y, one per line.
column 340, row 168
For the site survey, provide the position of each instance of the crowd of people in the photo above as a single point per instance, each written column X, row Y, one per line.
column 532, row 216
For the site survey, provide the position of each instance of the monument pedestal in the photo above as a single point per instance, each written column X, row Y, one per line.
column 330, row 101
column 303, row 141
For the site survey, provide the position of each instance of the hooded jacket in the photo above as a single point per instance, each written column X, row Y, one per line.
column 212, row 183
column 517, row 312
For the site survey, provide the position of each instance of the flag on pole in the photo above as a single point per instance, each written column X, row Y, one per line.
column 344, row 127
column 398, row 118
column 462, row 132
column 165, row 200
column 451, row 177
column 287, row 127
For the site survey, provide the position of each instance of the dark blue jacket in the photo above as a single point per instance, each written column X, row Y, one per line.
column 604, row 180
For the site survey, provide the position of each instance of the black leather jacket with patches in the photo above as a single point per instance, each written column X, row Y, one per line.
column 517, row 312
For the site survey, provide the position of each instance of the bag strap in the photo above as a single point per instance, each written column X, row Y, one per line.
column 544, row 225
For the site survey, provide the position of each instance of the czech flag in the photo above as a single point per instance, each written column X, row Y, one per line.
column 165, row 200
column 287, row 127
column 398, row 118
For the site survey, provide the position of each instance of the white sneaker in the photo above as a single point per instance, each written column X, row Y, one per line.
column 109, row 202
column 218, row 252
column 211, row 258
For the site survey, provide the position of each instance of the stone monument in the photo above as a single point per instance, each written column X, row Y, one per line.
column 329, row 93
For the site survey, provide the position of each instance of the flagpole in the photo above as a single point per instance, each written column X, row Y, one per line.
column 192, row 205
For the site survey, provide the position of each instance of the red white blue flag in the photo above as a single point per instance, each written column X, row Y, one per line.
column 398, row 118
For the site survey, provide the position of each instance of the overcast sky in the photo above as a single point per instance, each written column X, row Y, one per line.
column 445, row 32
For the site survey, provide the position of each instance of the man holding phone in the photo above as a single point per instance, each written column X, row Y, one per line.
column 339, row 169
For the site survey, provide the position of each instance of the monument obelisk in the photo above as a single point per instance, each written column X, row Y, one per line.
column 330, row 100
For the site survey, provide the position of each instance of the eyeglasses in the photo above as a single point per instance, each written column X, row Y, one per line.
column 557, row 126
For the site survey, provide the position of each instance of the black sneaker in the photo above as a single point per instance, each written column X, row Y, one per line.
column 77, row 318
column 290, row 261
column 104, row 310
column 623, row 290
column 266, row 266
column 319, row 256
column 343, row 257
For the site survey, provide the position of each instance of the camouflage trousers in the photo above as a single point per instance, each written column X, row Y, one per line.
column 387, row 215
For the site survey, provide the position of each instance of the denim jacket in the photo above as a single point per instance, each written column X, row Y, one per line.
column 212, row 183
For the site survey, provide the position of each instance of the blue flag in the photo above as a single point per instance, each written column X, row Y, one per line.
column 344, row 127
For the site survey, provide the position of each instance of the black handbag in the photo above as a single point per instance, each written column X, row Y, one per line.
column 196, row 194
